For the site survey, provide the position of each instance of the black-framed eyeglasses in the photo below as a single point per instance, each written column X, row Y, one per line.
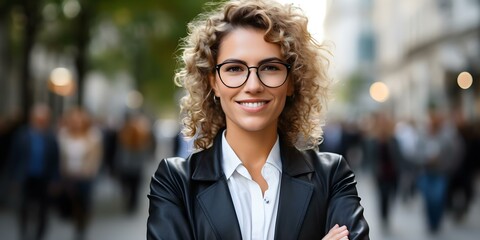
column 234, row 74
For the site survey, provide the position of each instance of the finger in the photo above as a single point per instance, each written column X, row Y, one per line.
column 330, row 232
column 342, row 235
column 334, row 227
column 334, row 231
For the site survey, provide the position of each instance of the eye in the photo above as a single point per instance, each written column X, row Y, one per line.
column 233, row 67
column 271, row 67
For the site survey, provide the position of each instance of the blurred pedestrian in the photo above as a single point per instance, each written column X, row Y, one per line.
column 109, row 130
column 334, row 138
column 34, row 165
column 133, row 152
column 182, row 147
column 461, row 187
column 81, row 153
column 409, row 141
column 4, row 152
column 442, row 146
column 9, row 127
column 384, row 153
column 256, row 90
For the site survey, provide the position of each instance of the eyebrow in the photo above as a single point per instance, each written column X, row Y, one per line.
column 271, row 59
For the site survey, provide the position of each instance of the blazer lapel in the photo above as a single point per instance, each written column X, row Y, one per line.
column 217, row 205
column 295, row 194
column 215, row 200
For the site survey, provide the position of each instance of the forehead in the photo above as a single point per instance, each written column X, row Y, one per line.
column 247, row 44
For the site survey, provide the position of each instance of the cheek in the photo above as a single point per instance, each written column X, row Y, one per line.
column 287, row 95
column 223, row 91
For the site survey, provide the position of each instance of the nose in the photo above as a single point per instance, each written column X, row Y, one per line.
column 253, row 83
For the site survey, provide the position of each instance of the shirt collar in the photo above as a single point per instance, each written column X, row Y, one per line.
column 230, row 160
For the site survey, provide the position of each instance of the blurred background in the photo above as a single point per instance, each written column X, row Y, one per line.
column 88, row 107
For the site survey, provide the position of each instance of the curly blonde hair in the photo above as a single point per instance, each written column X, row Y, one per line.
column 302, row 118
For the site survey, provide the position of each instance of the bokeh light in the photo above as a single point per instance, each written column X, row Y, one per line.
column 464, row 80
column 379, row 92
column 71, row 8
column 61, row 82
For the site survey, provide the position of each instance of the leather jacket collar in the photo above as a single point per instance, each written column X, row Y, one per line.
column 293, row 161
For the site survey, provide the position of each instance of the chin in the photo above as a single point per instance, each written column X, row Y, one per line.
column 256, row 126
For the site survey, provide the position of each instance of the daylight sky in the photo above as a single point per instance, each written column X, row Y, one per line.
column 315, row 10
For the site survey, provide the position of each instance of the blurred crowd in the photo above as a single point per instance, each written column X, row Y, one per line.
column 54, row 167
column 436, row 157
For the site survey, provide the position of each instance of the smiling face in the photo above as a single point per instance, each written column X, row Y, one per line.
column 252, row 107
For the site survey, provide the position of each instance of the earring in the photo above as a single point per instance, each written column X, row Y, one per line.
column 215, row 99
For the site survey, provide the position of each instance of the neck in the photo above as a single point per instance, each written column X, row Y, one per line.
column 252, row 148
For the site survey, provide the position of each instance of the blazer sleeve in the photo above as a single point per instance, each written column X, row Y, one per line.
column 344, row 206
column 167, row 211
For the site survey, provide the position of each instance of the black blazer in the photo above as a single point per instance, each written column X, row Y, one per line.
column 190, row 199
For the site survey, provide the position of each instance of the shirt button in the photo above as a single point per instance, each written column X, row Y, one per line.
column 266, row 201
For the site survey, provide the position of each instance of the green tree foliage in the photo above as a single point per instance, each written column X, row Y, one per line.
column 148, row 34
column 138, row 37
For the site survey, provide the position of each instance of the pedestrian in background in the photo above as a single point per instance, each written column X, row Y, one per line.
column 133, row 152
column 34, row 167
column 384, row 153
column 81, row 153
column 443, row 154
column 409, row 140
column 182, row 147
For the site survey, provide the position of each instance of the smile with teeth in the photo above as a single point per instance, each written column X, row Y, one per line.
column 252, row 104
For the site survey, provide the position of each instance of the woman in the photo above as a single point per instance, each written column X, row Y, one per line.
column 256, row 89
column 80, row 152
column 134, row 142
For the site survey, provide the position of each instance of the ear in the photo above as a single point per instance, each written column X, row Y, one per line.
column 213, row 84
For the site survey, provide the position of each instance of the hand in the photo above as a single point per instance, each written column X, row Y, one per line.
column 337, row 233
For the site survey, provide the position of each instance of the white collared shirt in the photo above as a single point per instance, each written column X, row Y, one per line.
column 256, row 213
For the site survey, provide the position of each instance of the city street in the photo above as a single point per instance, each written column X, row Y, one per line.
column 94, row 92
column 110, row 222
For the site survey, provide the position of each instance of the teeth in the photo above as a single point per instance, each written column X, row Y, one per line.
column 252, row 104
